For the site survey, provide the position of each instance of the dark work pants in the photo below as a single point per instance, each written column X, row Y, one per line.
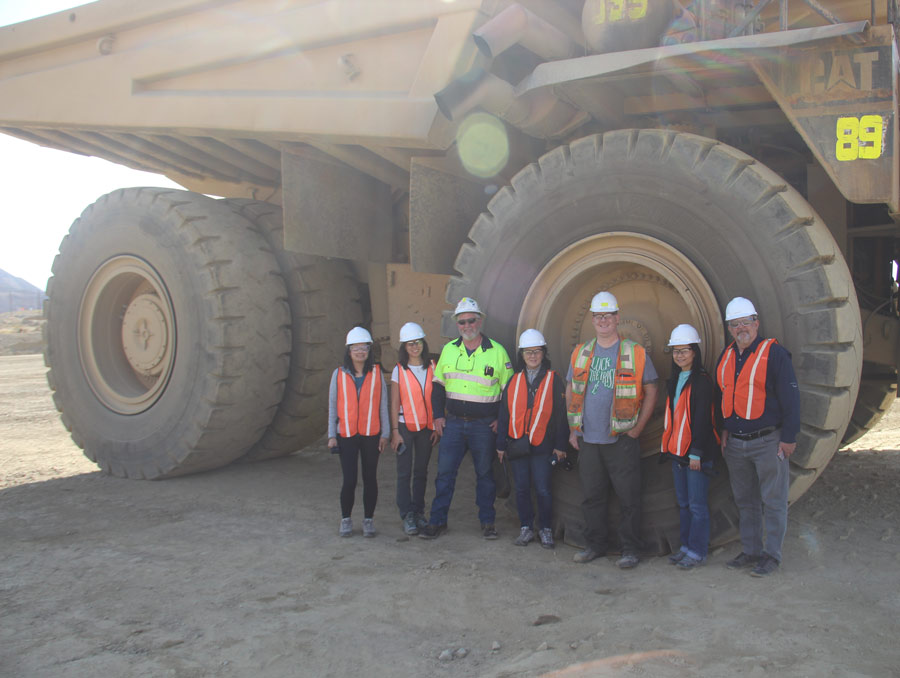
column 351, row 450
column 412, row 464
column 599, row 467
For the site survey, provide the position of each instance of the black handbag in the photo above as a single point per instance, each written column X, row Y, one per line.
column 517, row 448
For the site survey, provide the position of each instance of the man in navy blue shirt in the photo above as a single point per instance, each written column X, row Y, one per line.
column 760, row 407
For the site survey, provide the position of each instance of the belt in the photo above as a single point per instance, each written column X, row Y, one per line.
column 456, row 416
column 756, row 434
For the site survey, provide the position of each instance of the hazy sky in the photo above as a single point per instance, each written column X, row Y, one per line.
column 42, row 191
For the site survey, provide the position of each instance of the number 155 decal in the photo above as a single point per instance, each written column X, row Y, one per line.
column 859, row 138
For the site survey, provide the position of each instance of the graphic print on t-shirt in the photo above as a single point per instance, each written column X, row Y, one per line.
column 602, row 372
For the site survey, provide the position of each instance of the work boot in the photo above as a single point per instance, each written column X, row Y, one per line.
column 741, row 561
column 766, row 566
column 432, row 531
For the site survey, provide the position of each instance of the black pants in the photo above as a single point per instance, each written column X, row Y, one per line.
column 352, row 450
column 617, row 464
column 413, row 465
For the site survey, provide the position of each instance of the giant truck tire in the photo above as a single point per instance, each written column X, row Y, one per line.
column 877, row 390
column 324, row 299
column 674, row 225
column 168, row 332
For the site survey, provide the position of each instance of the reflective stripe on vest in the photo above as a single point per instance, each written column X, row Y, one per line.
column 416, row 403
column 533, row 420
column 359, row 413
column 476, row 378
column 745, row 396
column 628, row 391
column 676, row 437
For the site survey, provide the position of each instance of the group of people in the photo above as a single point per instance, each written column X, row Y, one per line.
column 525, row 414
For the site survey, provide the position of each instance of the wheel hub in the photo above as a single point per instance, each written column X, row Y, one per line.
column 145, row 334
column 126, row 334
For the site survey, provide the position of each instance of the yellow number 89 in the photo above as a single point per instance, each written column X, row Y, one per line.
column 859, row 138
column 619, row 9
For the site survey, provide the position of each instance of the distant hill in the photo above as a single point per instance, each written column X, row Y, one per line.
column 16, row 293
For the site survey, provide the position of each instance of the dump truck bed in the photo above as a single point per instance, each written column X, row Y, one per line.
column 210, row 93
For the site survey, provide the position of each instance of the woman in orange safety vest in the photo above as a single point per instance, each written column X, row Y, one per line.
column 412, row 424
column 358, row 426
column 532, row 424
column 690, row 442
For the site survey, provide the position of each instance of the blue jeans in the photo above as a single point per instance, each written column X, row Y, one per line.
column 459, row 435
column 691, row 488
column 533, row 468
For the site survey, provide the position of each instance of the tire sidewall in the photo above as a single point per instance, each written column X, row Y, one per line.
column 149, row 232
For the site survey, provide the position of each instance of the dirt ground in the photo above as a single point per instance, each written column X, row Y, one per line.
column 240, row 572
column 20, row 332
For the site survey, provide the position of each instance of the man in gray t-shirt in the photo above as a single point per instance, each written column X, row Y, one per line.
column 607, row 458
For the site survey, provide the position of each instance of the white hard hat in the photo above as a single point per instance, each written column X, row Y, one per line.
column 684, row 334
column 359, row 335
column 410, row 332
column 531, row 338
column 604, row 302
column 739, row 307
column 467, row 305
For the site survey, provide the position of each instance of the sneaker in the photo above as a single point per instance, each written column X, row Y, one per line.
column 546, row 535
column 586, row 556
column 409, row 524
column 346, row 527
column 488, row 531
column 432, row 531
column 526, row 534
column 627, row 561
column 766, row 566
column 689, row 563
column 676, row 557
column 421, row 523
column 741, row 561
column 368, row 527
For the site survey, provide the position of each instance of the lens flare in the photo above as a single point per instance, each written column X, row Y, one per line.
column 483, row 145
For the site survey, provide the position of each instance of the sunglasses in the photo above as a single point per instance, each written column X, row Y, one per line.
column 414, row 342
column 742, row 322
column 467, row 321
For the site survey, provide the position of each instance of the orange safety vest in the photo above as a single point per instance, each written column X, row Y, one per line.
column 676, row 438
column 531, row 420
column 359, row 413
column 416, row 403
column 747, row 397
column 628, row 388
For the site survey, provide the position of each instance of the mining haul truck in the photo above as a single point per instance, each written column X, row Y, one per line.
column 374, row 161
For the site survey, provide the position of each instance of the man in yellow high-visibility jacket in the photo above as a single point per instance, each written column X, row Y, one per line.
column 468, row 381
